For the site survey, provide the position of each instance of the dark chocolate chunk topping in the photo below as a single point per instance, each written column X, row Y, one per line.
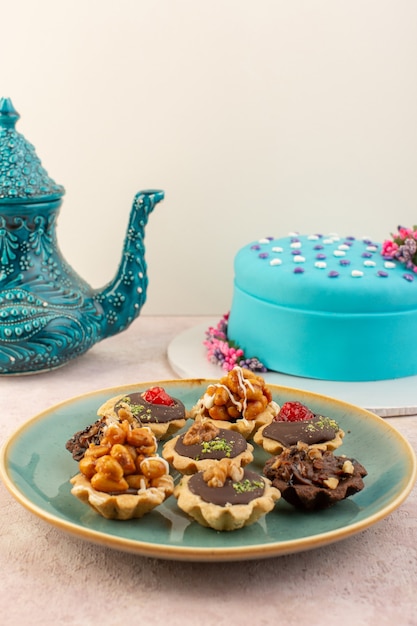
column 225, row 444
column 315, row 430
column 302, row 480
column 147, row 412
column 242, row 492
column 80, row 441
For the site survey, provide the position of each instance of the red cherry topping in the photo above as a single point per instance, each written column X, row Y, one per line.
column 294, row 412
column 158, row 395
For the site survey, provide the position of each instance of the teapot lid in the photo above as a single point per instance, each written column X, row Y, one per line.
column 22, row 177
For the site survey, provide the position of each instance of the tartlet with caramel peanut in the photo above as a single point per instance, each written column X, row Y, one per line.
column 204, row 443
column 225, row 496
column 123, row 477
column 240, row 401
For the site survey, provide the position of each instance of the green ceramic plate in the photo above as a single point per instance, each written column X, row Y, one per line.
column 36, row 468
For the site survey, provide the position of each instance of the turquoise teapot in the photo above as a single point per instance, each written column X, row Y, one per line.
column 48, row 314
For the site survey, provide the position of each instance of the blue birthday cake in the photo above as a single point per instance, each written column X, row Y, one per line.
column 328, row 307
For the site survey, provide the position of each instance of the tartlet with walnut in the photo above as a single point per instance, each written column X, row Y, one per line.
column 240, row 401
column 225, row 496
column 204, row 443
column 123, row 477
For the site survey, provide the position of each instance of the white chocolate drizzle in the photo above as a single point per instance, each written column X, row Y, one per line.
column 151, row 459
column 244, row 384
column 207, row 401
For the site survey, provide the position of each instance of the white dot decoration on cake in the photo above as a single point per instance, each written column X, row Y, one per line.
column 323, row 244
column 322, row 247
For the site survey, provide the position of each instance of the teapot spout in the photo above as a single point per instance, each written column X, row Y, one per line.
column 123, row 298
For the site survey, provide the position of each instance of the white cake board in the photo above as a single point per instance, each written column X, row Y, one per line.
column 387, row 398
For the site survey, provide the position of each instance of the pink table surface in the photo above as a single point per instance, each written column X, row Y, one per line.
column 50, row 577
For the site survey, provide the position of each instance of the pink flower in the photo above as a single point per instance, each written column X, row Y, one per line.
column 403, row 247
column 405, row 232
column 389, row 248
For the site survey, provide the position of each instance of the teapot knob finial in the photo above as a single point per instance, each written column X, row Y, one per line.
column 8, row 114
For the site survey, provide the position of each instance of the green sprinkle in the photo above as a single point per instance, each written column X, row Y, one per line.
column 136, row 408
column 321, row 423
column 248, row 485
column 215, row 445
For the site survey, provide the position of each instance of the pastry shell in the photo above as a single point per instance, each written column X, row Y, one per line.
column 161, row 430
column 244, row 426
column 276, row 447
column 225, row 518
column 122, row 506
column 188, row 465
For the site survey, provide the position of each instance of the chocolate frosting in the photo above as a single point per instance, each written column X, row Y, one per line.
column 225, row 444
column 147, row 412
column 242, row 492
column 316, row 430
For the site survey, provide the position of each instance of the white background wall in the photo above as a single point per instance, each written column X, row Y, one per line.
column 255, row 117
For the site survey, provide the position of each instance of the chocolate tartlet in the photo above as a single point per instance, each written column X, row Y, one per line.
column 163, row 414
column 309, row 478
column 240, row 401
column 226, row 496
column 318, row 432
column 204, row 443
